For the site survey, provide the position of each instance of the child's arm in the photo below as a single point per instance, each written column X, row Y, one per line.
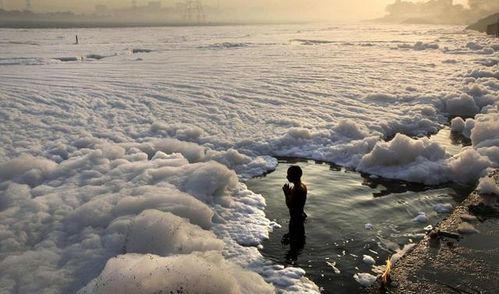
column 287, row 194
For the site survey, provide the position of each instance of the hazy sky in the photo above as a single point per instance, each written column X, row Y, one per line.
column 322, row 9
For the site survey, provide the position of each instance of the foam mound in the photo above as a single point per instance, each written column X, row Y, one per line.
column 116, row 199
column 194, row 273
column 407, row 159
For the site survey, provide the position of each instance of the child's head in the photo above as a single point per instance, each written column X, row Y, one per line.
column 294, row 173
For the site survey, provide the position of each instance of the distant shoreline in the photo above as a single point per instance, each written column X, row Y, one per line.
column 88, row 24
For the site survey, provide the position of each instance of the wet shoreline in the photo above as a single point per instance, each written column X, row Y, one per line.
column 467, row 265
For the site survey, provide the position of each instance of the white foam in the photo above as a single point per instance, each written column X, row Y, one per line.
column 365, row 279
column 163, row 233
column 463, row 105
column 368, row 260
column 28, row 166
column 468, row 166
column 457, row 125
column 114, row 200
column 469, row 124
column 488, row 185
column 443, row 207
column 419, row 45
column 137, row 273
column 485, row 132
column 408, row 159
column 421, row 218
column 488, row 190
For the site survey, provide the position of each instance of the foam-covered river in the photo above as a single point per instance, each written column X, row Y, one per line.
column 124, row 159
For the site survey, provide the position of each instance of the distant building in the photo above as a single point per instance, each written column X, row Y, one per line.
column 153, row 5
column 29, row 6
column 100, row 7
column 101, row 10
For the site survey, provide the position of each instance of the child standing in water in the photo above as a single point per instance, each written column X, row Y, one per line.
column 296, row 196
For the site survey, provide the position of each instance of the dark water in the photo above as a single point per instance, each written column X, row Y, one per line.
column 340, row 202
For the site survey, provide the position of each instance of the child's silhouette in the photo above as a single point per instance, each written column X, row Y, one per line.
column 296, row 196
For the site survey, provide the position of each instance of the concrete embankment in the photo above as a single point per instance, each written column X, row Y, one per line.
column 442, row 264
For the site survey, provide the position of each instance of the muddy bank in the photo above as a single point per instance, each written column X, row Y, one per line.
column 447, row 265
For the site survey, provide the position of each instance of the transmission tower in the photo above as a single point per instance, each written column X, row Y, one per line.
column 194, row 11
column 29, row 7
column 134, row 4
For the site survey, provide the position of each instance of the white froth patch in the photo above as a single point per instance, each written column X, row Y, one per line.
column 487, row 185
column 193, row 273
column 244, row 165
column 457, row 124
column 167, row 199
column 344, row 143
column 351, row 129
column 415, row 160
column 419, row 46
column 483, row 73
column 463, row 105
column 27, row 168
column 206, row 181
column 365, row 279
column 126, row 198
column 421, row 218
column 468, row 166
column 407, row 159
column 368, row 260
column 163, row 233
column 488, row 190
column 469, row 124
column 485, row 136
column 443, row 207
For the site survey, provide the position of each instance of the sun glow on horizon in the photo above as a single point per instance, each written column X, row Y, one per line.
column 270, row 10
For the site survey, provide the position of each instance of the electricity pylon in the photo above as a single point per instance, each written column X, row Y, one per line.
column 194, row 11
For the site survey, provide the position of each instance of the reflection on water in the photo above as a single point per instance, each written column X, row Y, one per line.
column 340, row 203
column 296, row 246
